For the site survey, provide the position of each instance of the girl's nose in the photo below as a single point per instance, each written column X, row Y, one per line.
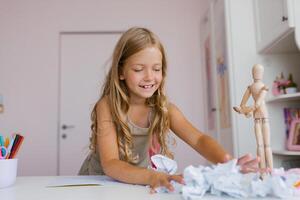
column 148, row 75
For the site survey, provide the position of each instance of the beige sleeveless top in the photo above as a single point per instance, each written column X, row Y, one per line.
column 92, row 165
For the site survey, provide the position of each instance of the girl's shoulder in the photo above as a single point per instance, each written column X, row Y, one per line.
column 103, row 102
column 172, row 108
column 103, row 108
column 171, row 105
column 175, row 115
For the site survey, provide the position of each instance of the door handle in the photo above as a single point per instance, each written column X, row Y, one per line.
column 64, row 126
column 284, row 18
column 64, row 136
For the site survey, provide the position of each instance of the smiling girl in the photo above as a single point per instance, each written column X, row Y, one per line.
column 133, row 117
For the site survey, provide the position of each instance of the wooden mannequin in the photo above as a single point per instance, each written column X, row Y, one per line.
column 258, row 92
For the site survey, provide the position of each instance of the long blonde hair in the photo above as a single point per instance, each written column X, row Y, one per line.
column 132, row 41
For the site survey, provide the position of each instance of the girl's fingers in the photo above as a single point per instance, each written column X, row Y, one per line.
column 253, row 162
column 168, row 185
column 165, row 182
column 252, row 166
column 242, row 160
column 246, row 169
column 152, row 188
column 265, row 170
column 248, row 164
column 227, row 158
column 177, row 178
column 152, row 191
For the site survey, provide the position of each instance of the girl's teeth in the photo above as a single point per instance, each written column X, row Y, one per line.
column 147, row 86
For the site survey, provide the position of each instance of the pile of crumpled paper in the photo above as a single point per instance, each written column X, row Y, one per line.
column 226, row 179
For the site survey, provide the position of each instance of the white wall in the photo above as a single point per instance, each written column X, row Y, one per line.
column 29, row 64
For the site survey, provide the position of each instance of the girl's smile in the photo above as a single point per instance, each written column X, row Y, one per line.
column 147, row 86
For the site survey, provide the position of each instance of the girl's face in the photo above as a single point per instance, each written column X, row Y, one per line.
column 142, row 73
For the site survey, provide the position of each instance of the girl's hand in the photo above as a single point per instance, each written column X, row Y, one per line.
column 248, row 164
column 158, row 179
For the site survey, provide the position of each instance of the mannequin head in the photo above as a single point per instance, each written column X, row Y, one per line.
column 257, row 72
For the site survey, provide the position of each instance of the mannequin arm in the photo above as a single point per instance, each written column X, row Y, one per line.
column 243, row 109
column 245, row 97
column 262, row 95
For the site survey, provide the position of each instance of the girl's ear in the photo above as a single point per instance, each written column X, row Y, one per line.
column 121, row 75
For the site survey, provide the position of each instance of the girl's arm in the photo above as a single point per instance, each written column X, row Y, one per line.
column 203, row 144
column 206, row 145
column 109, row 155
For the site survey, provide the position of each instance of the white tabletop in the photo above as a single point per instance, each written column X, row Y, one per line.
column 33, row 188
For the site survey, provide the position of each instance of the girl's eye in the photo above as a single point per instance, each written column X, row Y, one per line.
column 157, row 68
column 137, row 70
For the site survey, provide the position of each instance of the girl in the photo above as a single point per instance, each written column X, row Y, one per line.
column 131, row 120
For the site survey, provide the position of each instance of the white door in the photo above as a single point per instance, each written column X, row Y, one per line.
column 208, row 44
column 217, row 75
column 84, row 62
column 221, row 65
